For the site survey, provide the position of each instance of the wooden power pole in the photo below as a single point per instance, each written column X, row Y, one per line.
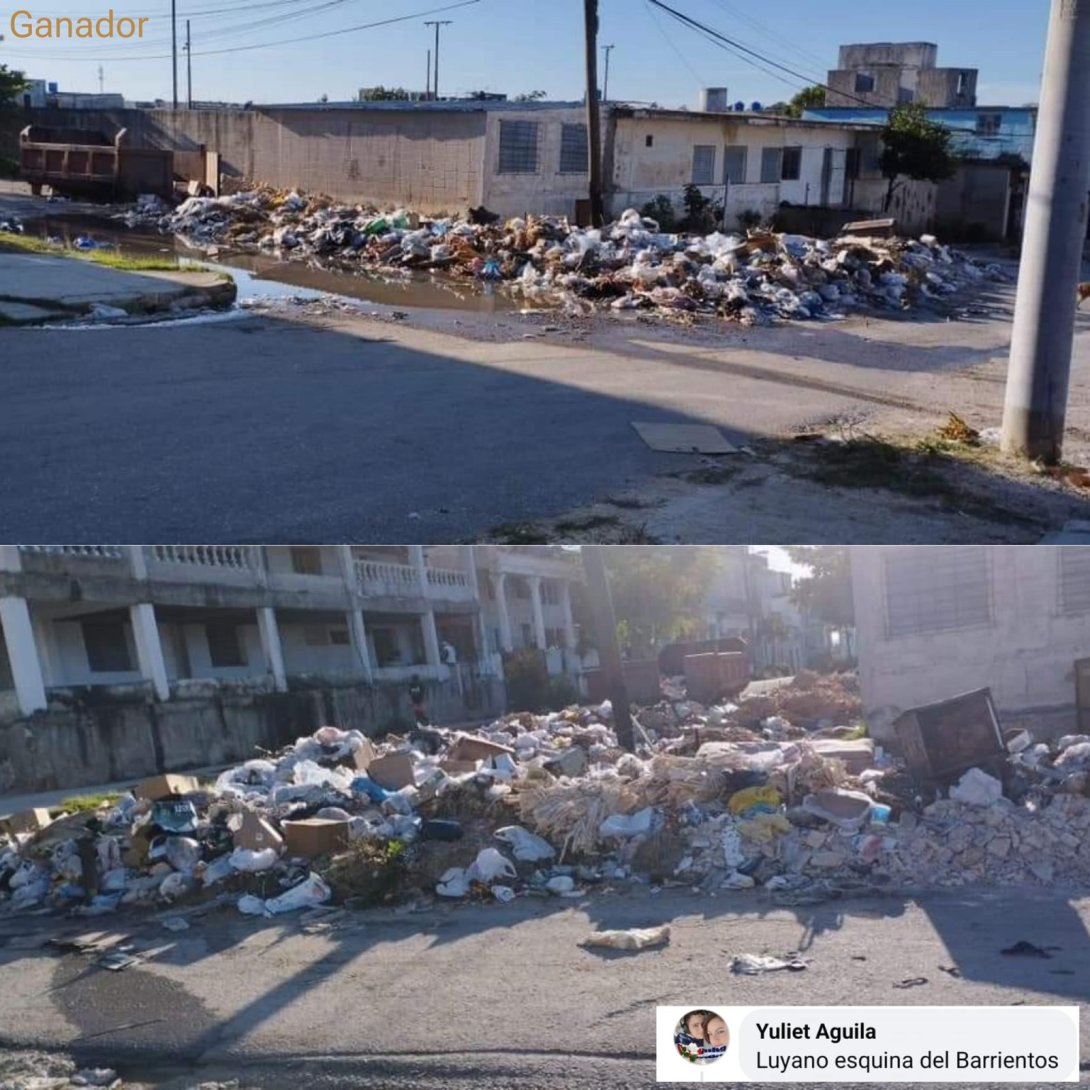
column 609, row 653
column 594, row 131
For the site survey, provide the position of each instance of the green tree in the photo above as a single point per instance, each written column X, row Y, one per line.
column 383, row 94
column 530, row 96
column 12, row 84
column 806, row 99
column 658, row 592
column 914, row 147
column 826, row 593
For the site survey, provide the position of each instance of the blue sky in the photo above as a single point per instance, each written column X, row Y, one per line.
column 524, row 45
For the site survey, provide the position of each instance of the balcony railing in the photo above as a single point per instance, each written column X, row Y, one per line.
column 382, row 577
column 93, row 552
column 448, row 577
column 231, row 557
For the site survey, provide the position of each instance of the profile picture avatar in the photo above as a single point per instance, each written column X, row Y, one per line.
column 701, row 1037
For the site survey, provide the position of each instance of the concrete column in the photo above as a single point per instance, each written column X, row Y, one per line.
column 138, row 562
column 539, row 613
column 569, row 621
column 469, row 559
column 149, row 648
column 1038, row 375
column 26, row 667
column 47, row 659
column 271, row 648
column 431, row 638
column 357, row 633
column 507, row 644
column 9, row 558
column 416, row 559
column 348, row 570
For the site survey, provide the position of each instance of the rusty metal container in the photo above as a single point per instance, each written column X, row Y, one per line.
column 716, row 675
column 941, row 741
column 641, row 679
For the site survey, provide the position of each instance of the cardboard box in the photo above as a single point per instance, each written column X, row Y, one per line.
column 468, row 747
column 253, row 832
column 315, row 836
column 457, row 768
column 137, row 853
column 29, row 821
column 165, row 787
column 393, row 771
column 363, row 756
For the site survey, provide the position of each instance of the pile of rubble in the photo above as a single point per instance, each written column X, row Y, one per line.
column 628, row 265
column 551, row 805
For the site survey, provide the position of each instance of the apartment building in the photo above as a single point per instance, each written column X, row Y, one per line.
column 936, row 622
column 894, row 73
column 135, row 652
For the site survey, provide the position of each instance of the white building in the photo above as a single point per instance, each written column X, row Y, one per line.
column 936, row 622
column 164, row 617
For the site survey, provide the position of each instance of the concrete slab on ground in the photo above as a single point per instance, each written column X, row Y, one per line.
column 67, row 285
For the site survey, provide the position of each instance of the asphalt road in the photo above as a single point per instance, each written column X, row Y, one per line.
column 504, row 995
column 278, row 428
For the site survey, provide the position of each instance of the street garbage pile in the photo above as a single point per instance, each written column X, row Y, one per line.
column 630, row 264
column 26, row 1069
column 551, row 805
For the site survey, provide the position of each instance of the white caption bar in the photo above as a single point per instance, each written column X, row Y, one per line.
column 1038, row 1045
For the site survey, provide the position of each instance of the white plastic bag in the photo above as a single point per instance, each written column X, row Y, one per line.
column 174, row 885
column 491, row 864
column 218, row 870
column 243, row 859
column 527, row 846
column 249, row 905
column 313, row 891
column 453, row 882
column 622, row 826
column 733, row 855
column 977, row 788
column 560, row 884
column 635, row 938
column 504, row 894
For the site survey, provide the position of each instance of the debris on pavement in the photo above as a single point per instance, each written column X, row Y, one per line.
column 737, row 796
column 630, row 264
column 635, row 938
column 755, row 964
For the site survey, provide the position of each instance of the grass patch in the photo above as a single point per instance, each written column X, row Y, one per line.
column 517, row 533
column 14, row 243
column 79, row 804
column 591, row 522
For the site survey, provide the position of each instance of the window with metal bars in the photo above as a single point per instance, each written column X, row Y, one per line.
column 573, row 149
column 936, row 590
column 771, row 164
column 1074, row 580
column 518, row 147
column 734, row 164
column 703, row 164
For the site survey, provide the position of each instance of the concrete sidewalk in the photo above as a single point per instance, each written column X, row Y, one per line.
column 40, row 288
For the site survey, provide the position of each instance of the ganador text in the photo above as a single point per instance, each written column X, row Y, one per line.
column 24, row 24
column 787, row 1031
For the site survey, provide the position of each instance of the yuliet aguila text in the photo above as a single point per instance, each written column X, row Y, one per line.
column 788, row 1031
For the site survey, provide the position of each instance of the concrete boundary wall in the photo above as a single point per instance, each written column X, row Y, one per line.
column 94, row 736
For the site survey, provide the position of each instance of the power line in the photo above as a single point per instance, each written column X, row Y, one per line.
column 670, row 42
column 269, row 45
column 772, row 35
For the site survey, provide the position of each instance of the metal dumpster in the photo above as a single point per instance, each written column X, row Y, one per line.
column 716, row 675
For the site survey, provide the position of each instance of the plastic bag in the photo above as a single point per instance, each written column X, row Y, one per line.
column 313, row 891
column 174, row 885
column 527, row 846
column 218, row 870
column 453, row 883
column 977, row 788
column 250, row 862
column 249, row 905
column 504, row 894
column 560, row 884
column 626, row 825
column 635, row 938
column 491, row 864
column 182, row 853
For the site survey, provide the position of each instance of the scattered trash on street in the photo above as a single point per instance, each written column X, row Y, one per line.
column 635, row 938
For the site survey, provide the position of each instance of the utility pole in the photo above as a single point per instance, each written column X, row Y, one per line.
column 606, row 49
column 174, row 47
column 188, row 69
column 437, row 23
column 427, row 85
column 594, row 133
column 609, row 654
column 101, row 79
column 1055, row 228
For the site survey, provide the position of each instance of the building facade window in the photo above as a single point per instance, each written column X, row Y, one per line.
column 518, row 147
column 939, row 589
column 224, row 645
column 550, row 593
column 703, row 164
column 1074, row 580
column 734, row 164
column 771, row 164
column 573, row 149
column 107, row 647
column 864, row 83
column 791, row 169
column 989, row 124
column 387, row 652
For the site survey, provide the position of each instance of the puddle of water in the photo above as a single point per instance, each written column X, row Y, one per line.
column 260, row 276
